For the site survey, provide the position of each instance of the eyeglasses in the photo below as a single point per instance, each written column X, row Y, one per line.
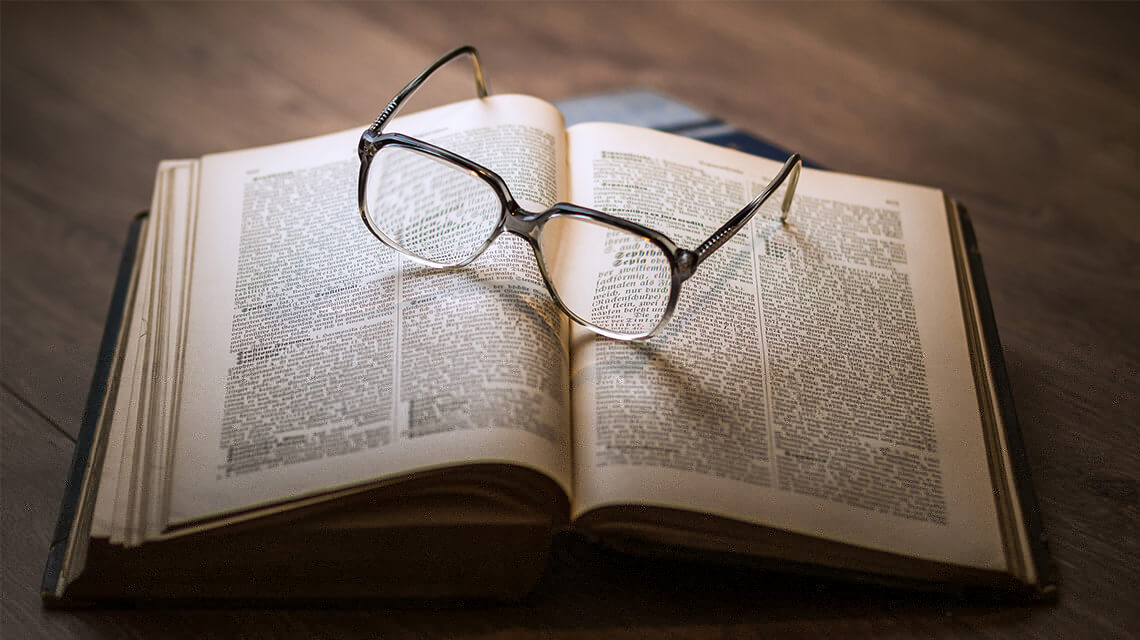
column 443, row 210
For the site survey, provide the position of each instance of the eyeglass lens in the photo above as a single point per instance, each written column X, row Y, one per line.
column 612, row 279
column 429, row 207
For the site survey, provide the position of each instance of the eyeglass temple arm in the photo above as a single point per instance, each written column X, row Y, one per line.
column 407, row 91
column 723, row 234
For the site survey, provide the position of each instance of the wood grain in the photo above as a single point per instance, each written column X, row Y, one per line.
column 1028, row 113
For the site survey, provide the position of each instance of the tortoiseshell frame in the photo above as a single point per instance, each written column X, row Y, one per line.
column 528, row 225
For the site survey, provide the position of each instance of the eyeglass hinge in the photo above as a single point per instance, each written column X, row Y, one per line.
column 367, row 145
column 686, row 264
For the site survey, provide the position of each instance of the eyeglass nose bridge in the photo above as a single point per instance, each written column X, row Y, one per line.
column 519, row 221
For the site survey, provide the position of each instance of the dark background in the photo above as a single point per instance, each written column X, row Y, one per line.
column 1028, row 113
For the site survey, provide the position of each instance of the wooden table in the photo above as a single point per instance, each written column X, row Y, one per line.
column 1030, row 114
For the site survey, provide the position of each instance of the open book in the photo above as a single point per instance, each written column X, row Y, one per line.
column 296, row 410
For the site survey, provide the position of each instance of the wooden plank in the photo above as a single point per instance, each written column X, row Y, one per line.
column 1027, row 113
column 33, row 467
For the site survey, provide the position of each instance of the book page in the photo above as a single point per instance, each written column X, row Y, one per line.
column 815, row 376
column 318, row 358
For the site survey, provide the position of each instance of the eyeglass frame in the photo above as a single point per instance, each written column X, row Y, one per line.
column 528, row 225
